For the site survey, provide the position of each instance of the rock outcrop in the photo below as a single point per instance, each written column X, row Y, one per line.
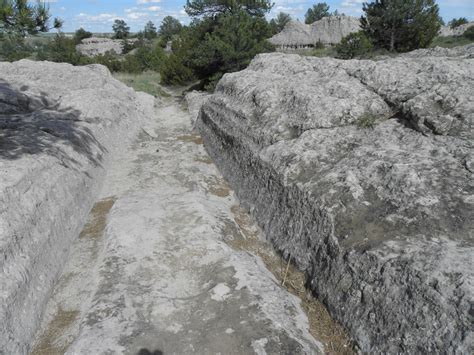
column 446, row 31
column 361, row 172
column 93, row 46
column 328, row 30
column 58, row 126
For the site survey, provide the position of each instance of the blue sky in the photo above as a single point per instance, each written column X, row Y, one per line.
column 98, row 15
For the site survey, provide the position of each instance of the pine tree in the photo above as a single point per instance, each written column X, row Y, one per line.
column 120, row 29
column 401, row 25
column 316, row 13
column 197, row 8
column 169, row 27
column 278, row 24
column 19, row 17
column 150, row 31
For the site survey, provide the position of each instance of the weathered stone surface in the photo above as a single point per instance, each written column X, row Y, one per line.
column 195, row 100
column 153, row 268
column 446, row 31
column 94, row 46
column 380, row 219
column 328, row 30
column 58, row 126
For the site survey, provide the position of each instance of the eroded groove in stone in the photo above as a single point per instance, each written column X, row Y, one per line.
column 59, row 126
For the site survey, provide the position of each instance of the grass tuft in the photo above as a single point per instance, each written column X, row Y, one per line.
column 148, row 82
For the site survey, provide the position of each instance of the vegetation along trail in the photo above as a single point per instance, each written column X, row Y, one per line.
column 167, row 262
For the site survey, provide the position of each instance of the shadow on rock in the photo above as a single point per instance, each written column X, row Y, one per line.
column 148, row 352
column 32, row 124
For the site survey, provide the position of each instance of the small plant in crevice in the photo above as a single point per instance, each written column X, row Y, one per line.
column 367, row 121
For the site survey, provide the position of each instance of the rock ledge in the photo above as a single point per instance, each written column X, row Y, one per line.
column 379, row 218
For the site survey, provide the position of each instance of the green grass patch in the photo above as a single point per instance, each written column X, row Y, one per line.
column 451, row 41
column 148, row 82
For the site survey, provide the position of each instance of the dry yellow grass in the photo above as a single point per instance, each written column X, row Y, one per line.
column 322, row 326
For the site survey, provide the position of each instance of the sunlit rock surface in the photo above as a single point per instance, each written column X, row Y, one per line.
column 152, row 267
column 328, row 30
column 362, row 173
column 446, row 31
column 94, row 46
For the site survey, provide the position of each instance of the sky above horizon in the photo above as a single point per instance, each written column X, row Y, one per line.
column 98, row 15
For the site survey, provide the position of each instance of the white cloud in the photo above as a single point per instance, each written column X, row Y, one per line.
column 137, row 15
column 147, row 1
column 351, row 7
column 154, row 8
column 104, row 17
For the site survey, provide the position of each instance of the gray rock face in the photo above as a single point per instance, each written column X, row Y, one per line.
column 446, row 31
column 194, row 100
column 380, row 219
column 58, row 126
column 94, row 46
column 328, row 30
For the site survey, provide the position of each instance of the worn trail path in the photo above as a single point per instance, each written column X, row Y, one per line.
column 153, row 270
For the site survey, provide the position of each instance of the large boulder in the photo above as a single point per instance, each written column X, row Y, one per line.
column 93, row 46
column 361, row 172
column 58, row 126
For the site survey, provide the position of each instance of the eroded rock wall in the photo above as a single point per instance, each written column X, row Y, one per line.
column 328, row 30
column 58, row 126
column 361, row 172
column 94, row 46
column 446, row 31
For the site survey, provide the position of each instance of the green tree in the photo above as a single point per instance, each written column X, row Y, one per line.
column 212, row 8
column 120, row 29
column 316, row 13
column 401, row 25
column 354, row 45
column 469, row 33
column 150, row 31
column 21, row 18
column 212, row 47
column 456, row 22
column 169, row 27
column 278, row 24
column 81, row 34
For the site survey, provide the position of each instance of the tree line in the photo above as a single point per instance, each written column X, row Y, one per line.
column 223, row 36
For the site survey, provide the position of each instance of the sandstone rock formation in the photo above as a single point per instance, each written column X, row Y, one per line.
column 58, row 126
column 379, row 218
column 446, row 31
column 94, row 46
column 328, row 30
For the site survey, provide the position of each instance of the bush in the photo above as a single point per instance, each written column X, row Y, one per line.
column 354, row 45
column 109, row 60
column 14, row 48
column 81, row 34
column 150, row 58
column 174, row 72
column 469, row 33
column 62, row 50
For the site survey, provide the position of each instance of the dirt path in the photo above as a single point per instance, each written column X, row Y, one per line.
column 162, row 266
